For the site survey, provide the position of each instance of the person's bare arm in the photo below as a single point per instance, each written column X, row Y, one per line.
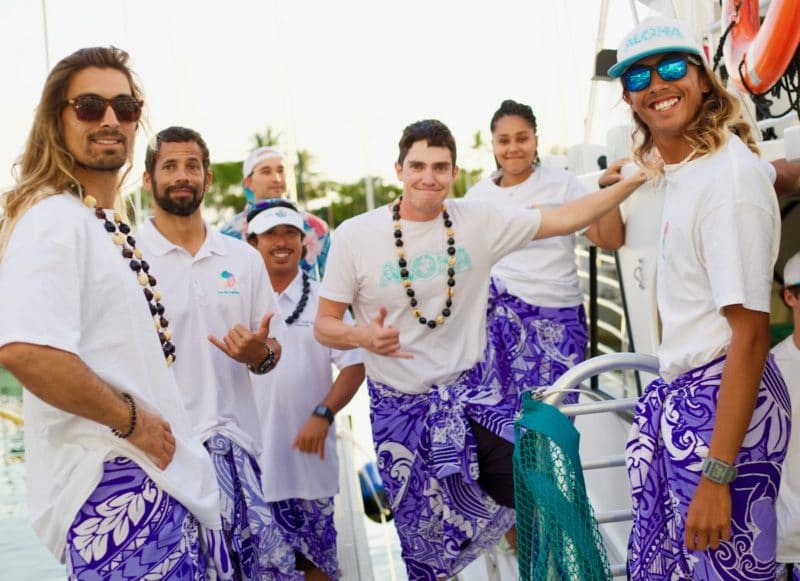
column 578, row 214
column 64, row 381
column 608, row 232
column 331, row 330
column 709, row 517
column 787, row 177
column 311, row 437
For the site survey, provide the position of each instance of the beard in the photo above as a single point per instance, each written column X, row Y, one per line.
column 111, row 161
column 182, row 207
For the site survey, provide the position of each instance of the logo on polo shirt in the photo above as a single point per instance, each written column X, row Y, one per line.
column 228, row 281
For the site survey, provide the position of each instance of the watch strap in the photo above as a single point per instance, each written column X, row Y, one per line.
column 323, row 411
column 266, row 365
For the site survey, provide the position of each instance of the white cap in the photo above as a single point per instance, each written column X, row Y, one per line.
column 257, row 156
column 654, row 35
column 791, row 271
column 267, row 220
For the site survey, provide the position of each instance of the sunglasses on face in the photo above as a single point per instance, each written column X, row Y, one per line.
column 670, row 68
column 93, row 107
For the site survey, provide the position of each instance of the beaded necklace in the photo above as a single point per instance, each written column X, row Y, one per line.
column 121, row 235
column 302, row 304
column 451, row 263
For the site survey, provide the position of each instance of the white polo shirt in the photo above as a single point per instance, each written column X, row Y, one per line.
column 65, row 284
column 542, row 272
column 787, row 356
column 223, row 285
column 287, row 398
column 362, row 269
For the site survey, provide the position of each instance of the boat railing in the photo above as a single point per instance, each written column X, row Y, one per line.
column 571, row 382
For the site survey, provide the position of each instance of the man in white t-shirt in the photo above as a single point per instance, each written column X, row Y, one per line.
column 298, row 401
column 222, row 305
column 416, row 274
column 787, row 356
column 709, row 436
column 117, row 479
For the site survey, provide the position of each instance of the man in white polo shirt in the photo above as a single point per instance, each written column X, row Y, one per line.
column 298, row 402
column 222, row 305
column 116, row 478
column 787, row 356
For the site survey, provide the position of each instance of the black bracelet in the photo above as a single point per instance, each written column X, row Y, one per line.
column 132, row 405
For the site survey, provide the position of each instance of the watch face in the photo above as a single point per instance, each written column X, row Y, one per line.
column 323, row 412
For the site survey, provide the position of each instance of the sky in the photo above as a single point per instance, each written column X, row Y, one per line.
column 340, row 79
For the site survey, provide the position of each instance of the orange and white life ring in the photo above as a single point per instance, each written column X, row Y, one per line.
column 763, row 52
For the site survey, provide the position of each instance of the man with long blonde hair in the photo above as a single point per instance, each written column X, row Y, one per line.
column 709, row 436
column 117, row 481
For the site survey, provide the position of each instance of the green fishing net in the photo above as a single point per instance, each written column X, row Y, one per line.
column 557, row 534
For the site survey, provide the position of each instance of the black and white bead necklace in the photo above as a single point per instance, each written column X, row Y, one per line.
column 121, row 235
column 301, row 305
column 404, row 273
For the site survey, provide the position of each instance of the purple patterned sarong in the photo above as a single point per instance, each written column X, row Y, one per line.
column 427, row 458
column 668, row 442
column 537, row 344
column 248, row 546
column 308, row 526
column 131, row 529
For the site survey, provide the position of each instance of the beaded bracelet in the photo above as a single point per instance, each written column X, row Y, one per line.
column 132, row 405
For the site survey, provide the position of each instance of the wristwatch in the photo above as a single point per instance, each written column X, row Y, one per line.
column 323, row 411
column 267, row 365
column 718, row 471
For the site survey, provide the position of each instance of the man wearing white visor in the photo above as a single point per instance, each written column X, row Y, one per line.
column 297, row 401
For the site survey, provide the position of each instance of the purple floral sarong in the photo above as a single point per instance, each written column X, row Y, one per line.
column 131, row 529
column 538, row 344
column 248, row 546
column 427, row 458
column 308, row 526
column 668, row 442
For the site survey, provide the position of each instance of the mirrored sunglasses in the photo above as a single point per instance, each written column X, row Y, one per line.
column 93, row 107
column 670, row 68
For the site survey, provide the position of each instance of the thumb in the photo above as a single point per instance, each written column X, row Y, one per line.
column 264, row 328
column 381, row 316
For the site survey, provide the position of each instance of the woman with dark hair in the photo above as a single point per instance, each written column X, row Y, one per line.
column 537, row 285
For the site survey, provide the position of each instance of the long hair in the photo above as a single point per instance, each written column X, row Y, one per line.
column 45, row 167
column 720, row 113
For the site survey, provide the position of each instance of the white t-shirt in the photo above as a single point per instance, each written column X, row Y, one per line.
column 787, row 356
column 286, row 398
column 65, row 284
column 719, row 240
column 362, row 269
column 543, row 272
column 223, row 285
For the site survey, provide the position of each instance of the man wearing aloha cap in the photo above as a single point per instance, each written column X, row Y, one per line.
column 416, row 274
column 297, row 402
column 709, row 436
column 264, row 173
